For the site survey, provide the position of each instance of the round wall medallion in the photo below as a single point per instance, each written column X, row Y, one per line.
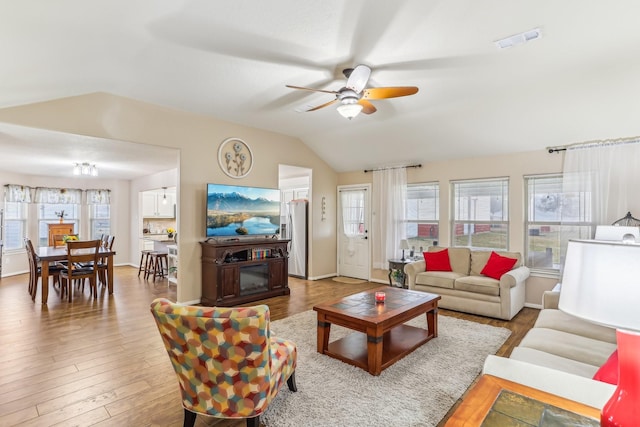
column 235, row 157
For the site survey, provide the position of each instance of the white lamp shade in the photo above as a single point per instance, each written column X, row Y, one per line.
column 349, row 111
column 601, row 283
column 404, row 244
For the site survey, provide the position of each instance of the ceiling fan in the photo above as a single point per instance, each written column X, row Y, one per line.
column 354, row 97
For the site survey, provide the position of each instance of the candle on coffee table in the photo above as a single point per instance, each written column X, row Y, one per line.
column 380, row 296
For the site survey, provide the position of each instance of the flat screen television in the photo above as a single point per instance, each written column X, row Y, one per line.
column 237, row 211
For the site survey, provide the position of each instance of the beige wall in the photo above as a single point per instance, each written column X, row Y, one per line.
column 197, row 138
column 514, row 166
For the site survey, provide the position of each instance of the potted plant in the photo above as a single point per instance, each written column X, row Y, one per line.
column 397, row 276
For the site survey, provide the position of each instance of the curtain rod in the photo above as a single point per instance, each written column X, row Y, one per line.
column 559, row 148
column 393, row 167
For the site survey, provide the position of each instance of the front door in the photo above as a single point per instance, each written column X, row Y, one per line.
column 354, row 253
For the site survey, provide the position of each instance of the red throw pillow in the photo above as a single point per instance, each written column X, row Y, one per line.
column 497, row 265
column 608, row 373
column 437, row 261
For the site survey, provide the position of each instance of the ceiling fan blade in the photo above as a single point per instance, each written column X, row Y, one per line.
column 312, row 90
column 388, row 92
column 367, row 107
column 358, row 78
column 326, row 104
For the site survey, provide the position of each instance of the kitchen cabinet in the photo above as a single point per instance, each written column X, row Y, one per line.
column 153, row 206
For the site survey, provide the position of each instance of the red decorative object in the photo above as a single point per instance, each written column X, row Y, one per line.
column 623, row 409
column 608, row 373
column 380, row 296
column 437, row 261
column 497, row 265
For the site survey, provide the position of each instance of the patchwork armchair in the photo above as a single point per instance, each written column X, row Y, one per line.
column 227, row 362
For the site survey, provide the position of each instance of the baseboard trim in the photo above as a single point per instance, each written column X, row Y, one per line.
column 529, row 305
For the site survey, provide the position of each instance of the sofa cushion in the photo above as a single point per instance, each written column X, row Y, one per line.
column 561, row 321
column 570, row 346
column 608, row 372
column 497, row 265
column 540, row 358
column 439, row 279
column 459, row 258
column 437, row 261
column 479, row 260
column 478, row 284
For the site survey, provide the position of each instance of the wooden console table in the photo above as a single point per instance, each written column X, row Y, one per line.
column 494, row 402
column 236, row 272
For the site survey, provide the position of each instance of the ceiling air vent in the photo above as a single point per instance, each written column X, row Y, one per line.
column 520, row 38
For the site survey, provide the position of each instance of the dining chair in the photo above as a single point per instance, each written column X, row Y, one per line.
column 82, row 257
column 227, row 362
column 107, row 243
column 35, row 270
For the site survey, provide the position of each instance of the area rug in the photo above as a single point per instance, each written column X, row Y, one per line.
column 418, row 390
column 349, row 280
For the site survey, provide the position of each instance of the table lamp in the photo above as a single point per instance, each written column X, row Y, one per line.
column 404, row 244
column 601, row 284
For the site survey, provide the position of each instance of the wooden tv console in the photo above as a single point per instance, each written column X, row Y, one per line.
column 236, row 272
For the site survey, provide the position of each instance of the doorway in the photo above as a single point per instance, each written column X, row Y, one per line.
column 354, row 250
column 295, row 188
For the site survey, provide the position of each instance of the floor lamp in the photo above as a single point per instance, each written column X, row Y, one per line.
column 601, row 284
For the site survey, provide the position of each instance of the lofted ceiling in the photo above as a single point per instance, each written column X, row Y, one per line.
column 232, row 60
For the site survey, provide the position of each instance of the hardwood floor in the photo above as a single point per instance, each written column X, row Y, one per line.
column 102, row 363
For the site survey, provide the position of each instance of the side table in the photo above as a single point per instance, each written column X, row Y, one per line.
column 496, row 402
column 397, row 276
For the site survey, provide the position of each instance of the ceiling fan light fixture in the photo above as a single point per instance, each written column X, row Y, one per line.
column 349, row 111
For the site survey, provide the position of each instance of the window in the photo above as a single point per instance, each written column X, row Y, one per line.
column 15, row 225
column 423, row 207
column 47, row 214
column 99, row 220
column 551, row 218
column 480, row 214
column 352, row 204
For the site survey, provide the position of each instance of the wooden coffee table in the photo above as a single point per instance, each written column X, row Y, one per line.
column 385, row 338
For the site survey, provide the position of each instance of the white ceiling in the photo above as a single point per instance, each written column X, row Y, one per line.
column 232, row 60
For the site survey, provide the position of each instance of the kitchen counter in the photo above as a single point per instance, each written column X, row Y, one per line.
column 157, row 237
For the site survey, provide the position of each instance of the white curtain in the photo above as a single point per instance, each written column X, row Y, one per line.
column 610, row 172
column 98, row 197
column 390, row 194
column 603, row 178
column 58, row 195
column 17, row 193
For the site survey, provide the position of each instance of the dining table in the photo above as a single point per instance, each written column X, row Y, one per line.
column 50, row 254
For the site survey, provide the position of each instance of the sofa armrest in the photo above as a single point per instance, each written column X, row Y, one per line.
column 574, row 387
column 412, row 269
column 550, row 299
column 514, row 277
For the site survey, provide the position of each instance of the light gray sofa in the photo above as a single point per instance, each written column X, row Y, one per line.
column 465, row 289
column 560, row 355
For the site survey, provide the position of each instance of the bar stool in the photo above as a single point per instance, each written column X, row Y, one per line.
column 159, row 265
column 145, row 259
